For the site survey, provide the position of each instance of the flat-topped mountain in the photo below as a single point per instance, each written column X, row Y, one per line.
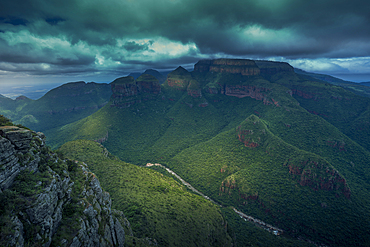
column 234, row 66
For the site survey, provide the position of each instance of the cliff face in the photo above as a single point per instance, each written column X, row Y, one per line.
column 46, row 199
column 270, row 67
column 234, row 66
column 127, row 91
column 14, row 146
column 179, row 79
column 194, row 89
column 124, row 87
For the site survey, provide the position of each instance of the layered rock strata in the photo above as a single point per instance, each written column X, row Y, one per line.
column 16, row 151
column 233, row 66
column 270, row 67
column 126, row 91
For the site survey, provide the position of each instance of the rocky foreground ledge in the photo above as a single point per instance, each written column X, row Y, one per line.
column 48, row 200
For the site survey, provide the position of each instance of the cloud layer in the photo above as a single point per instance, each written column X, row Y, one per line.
column 39, row 37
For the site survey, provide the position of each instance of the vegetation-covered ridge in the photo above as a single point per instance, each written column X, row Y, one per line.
column 313, row 171
column 62, row 105
column 157, row 205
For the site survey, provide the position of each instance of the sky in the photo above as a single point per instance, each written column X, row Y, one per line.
column 56, row 41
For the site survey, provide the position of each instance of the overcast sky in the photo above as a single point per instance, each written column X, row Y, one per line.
column 96, row 40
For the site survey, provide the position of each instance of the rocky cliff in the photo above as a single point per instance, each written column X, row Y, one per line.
column 270, row 67
column 127, row 91
column 233, row 66
column 179, row 79
column 148, row 84
column 48, row 200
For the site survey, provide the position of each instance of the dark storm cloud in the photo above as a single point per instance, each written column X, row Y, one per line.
column 135, row 47
column 98, row 31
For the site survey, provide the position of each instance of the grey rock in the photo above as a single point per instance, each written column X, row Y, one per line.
column 16, row 239
column 111, row 224
column 120, row 233
column 75, row 242
column 90, row 212
column 45, row 211
column 9, row 167
column 19, row 137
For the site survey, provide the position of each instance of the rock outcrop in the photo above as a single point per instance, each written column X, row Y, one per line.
column 179, row 79
column 319, row 176
column 242, row 91
column 148, row 84
column 16, row 152
column 233, row 66
column 124, row 87
column 47, row 200
column 194, row 89
column 127, row 91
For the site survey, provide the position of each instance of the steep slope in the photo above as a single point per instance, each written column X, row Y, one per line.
column 159, row 206
column 357, row 88
column 342, row 108
column 48, row 200
column 10, row 107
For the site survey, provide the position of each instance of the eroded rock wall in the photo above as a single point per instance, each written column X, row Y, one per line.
column 234, row 66
column 46, row 200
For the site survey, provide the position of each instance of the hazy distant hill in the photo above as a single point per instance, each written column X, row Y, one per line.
column 135, row 74
column 357, row 88
column 161, row 78
column 365, row 84
column 284, row 147
column 62, row 105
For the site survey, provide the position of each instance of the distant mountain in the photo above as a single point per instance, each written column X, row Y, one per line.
column 64, row 104
column 357, row 88
column 366, row 83
column 160, row 77
column 282, row 146
column 135, row 75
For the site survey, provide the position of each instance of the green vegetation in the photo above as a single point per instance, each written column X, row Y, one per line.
column 157, row 206
column 5, row 121
column 246, row 233
column 62, row 105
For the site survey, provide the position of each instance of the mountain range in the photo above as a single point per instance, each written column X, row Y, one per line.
column 287, row 147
